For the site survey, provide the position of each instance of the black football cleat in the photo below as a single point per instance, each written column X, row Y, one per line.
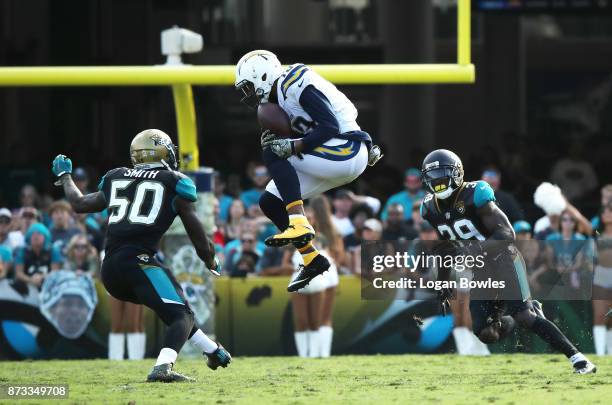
column 218, row 358
column 319, row 265
column 584, row 367
column 164, row 373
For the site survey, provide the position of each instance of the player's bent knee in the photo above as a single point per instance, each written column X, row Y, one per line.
column 488, row 335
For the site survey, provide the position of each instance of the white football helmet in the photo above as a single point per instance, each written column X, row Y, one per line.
column 256, row 73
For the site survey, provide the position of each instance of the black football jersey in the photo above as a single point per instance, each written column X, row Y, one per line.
column 141, row 205
column 457, row 217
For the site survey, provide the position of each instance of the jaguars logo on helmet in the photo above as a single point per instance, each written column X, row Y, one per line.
column 442, row 172
column 153, row 148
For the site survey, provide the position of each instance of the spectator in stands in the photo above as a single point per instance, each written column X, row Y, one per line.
column 413, row 191
column 396, row 227
column 81, row 256
column 27, row 217
column 260, row 178
column 9, row 238
column 346, row 202
column 243, row 262
column 38, row 257
column 272, row 262
column 81, row 180
column 330, row 242
column 535, row 255
column 91, row 228
column 551, row 224
column 28, row 196
column 606, row 198
column 343, row 203
column 225, row 201
column 235, row 219
column 574, row 174
column 602, row 286
column 63, row 228
column 233, row 249
column 568, row 258
column 358, row 215
column 372, row 231
column 506, row 201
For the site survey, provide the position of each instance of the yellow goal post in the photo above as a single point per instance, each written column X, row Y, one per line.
column 181, row 77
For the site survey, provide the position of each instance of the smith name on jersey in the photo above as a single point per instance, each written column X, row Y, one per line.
column 457, row 217
column 141, row 205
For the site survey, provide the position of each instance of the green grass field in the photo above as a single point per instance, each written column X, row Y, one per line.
column 506, row 379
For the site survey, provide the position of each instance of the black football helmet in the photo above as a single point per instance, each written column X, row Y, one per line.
column 442, row 172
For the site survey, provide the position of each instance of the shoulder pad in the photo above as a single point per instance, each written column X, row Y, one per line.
column 108, row 174
column 185, row 187
column 483, row 193
column 293, row 76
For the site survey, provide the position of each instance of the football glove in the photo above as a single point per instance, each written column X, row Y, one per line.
column 61, row 165
column 374, row 155
column 281, row 147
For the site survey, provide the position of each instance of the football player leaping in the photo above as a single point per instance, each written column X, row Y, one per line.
column 467, row 210
column 142, row 204
column 331, row 150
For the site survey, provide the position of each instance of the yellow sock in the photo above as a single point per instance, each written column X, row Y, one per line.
column 308, row 252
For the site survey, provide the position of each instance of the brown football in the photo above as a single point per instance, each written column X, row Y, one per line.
column 274, row 118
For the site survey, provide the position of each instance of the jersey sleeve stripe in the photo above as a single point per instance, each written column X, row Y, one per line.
column 293, row 76
column 186, row 189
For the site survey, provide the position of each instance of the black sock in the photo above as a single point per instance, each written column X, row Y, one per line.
column 553, row 336
column 178, row 332
column 284, row 176
column 274, row 208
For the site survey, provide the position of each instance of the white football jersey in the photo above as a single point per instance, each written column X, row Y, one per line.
column 289, row 89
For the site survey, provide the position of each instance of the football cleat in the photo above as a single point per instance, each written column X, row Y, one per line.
column 164, row 373
column 537, row 307
column 219, row 357
column 319, row 265
column 584, row 367
column 298, row 232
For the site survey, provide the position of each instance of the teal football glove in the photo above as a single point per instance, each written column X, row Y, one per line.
column 61, row 165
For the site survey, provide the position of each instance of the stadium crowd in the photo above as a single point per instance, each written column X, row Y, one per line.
column 42, row 235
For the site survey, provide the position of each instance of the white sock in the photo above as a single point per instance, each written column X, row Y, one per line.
column 314, row 344
column 116, row 346
column 478, row 348
column 203, row 342
column 301, row 343
column 599, row 339
column 166, row 355
column 136, row 345
column 578, row 357
column 143, row 344
column 326, row 334
column 463, row 341
column 609, row 341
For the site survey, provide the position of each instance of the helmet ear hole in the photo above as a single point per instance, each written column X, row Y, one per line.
column 264, row 77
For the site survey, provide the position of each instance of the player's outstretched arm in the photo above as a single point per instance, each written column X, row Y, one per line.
column 94, row 202
column 203, row 246
column 496, row 222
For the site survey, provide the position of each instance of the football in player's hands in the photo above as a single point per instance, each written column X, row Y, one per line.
column 274, row 118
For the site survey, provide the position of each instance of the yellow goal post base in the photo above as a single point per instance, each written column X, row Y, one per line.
column 181, row 78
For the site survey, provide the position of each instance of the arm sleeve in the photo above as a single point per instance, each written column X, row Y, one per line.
column 318, row 107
